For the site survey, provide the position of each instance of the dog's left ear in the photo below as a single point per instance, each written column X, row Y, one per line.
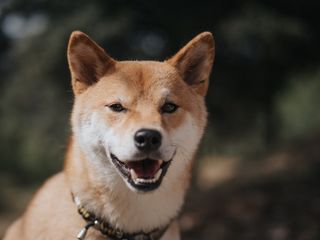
column 194, row 62
column 88, row 62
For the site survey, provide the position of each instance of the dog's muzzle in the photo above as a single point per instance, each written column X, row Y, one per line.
column 145, row 173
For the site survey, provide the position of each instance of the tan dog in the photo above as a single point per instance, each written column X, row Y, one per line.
column 136, row 127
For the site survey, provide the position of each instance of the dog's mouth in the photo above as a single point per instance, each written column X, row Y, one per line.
column 144, row 175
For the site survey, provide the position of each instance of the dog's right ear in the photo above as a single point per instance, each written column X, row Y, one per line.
column 87, row 61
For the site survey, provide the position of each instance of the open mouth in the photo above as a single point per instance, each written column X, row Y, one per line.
column 144, row 175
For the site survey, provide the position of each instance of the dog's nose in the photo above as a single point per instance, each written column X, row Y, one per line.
column 147, row 140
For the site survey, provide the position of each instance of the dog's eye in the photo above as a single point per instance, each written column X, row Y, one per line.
column 117, row 107
column 169, row 107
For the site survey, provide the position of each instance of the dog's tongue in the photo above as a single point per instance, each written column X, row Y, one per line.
column 145, row 168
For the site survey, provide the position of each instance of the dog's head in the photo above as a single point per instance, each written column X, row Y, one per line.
column 141, row 120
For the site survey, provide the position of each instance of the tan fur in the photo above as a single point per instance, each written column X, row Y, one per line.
column 142, row 87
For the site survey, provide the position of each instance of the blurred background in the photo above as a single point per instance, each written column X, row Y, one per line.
column 257, row 173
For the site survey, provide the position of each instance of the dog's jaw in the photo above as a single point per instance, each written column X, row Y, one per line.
column 110, row 198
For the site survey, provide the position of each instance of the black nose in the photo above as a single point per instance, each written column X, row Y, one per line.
column 147, row 140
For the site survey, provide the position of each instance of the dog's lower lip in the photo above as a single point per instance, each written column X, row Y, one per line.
column 141, row 181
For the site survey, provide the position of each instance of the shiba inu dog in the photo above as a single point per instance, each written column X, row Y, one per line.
column 136, row 126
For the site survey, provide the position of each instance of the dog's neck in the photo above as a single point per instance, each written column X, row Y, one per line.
column 106, row 195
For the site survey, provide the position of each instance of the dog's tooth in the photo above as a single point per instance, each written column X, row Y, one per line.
column 141, row 180
column 158, row 174
column 133, row 175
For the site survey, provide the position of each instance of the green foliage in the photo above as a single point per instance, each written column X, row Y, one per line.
column 298, row 106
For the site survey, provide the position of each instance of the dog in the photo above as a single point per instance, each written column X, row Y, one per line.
column 136, row 126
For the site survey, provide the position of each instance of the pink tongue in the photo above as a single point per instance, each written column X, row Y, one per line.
column 145, row 168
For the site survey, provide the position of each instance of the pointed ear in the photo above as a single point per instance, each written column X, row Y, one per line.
column 194, row 62
column 87, row 61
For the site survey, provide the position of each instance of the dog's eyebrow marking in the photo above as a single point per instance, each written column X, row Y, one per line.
column 119, row 99
column 165, row 95
column 116, row 99
column 165, row 91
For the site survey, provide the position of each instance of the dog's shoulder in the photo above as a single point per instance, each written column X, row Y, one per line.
column 50, row 211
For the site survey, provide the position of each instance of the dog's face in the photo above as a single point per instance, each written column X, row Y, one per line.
column 140, row 121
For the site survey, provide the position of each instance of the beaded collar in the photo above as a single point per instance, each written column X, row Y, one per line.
column 110, row 232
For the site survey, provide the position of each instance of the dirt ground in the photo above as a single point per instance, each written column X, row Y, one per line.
column 285, row 208
column 276, row 198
